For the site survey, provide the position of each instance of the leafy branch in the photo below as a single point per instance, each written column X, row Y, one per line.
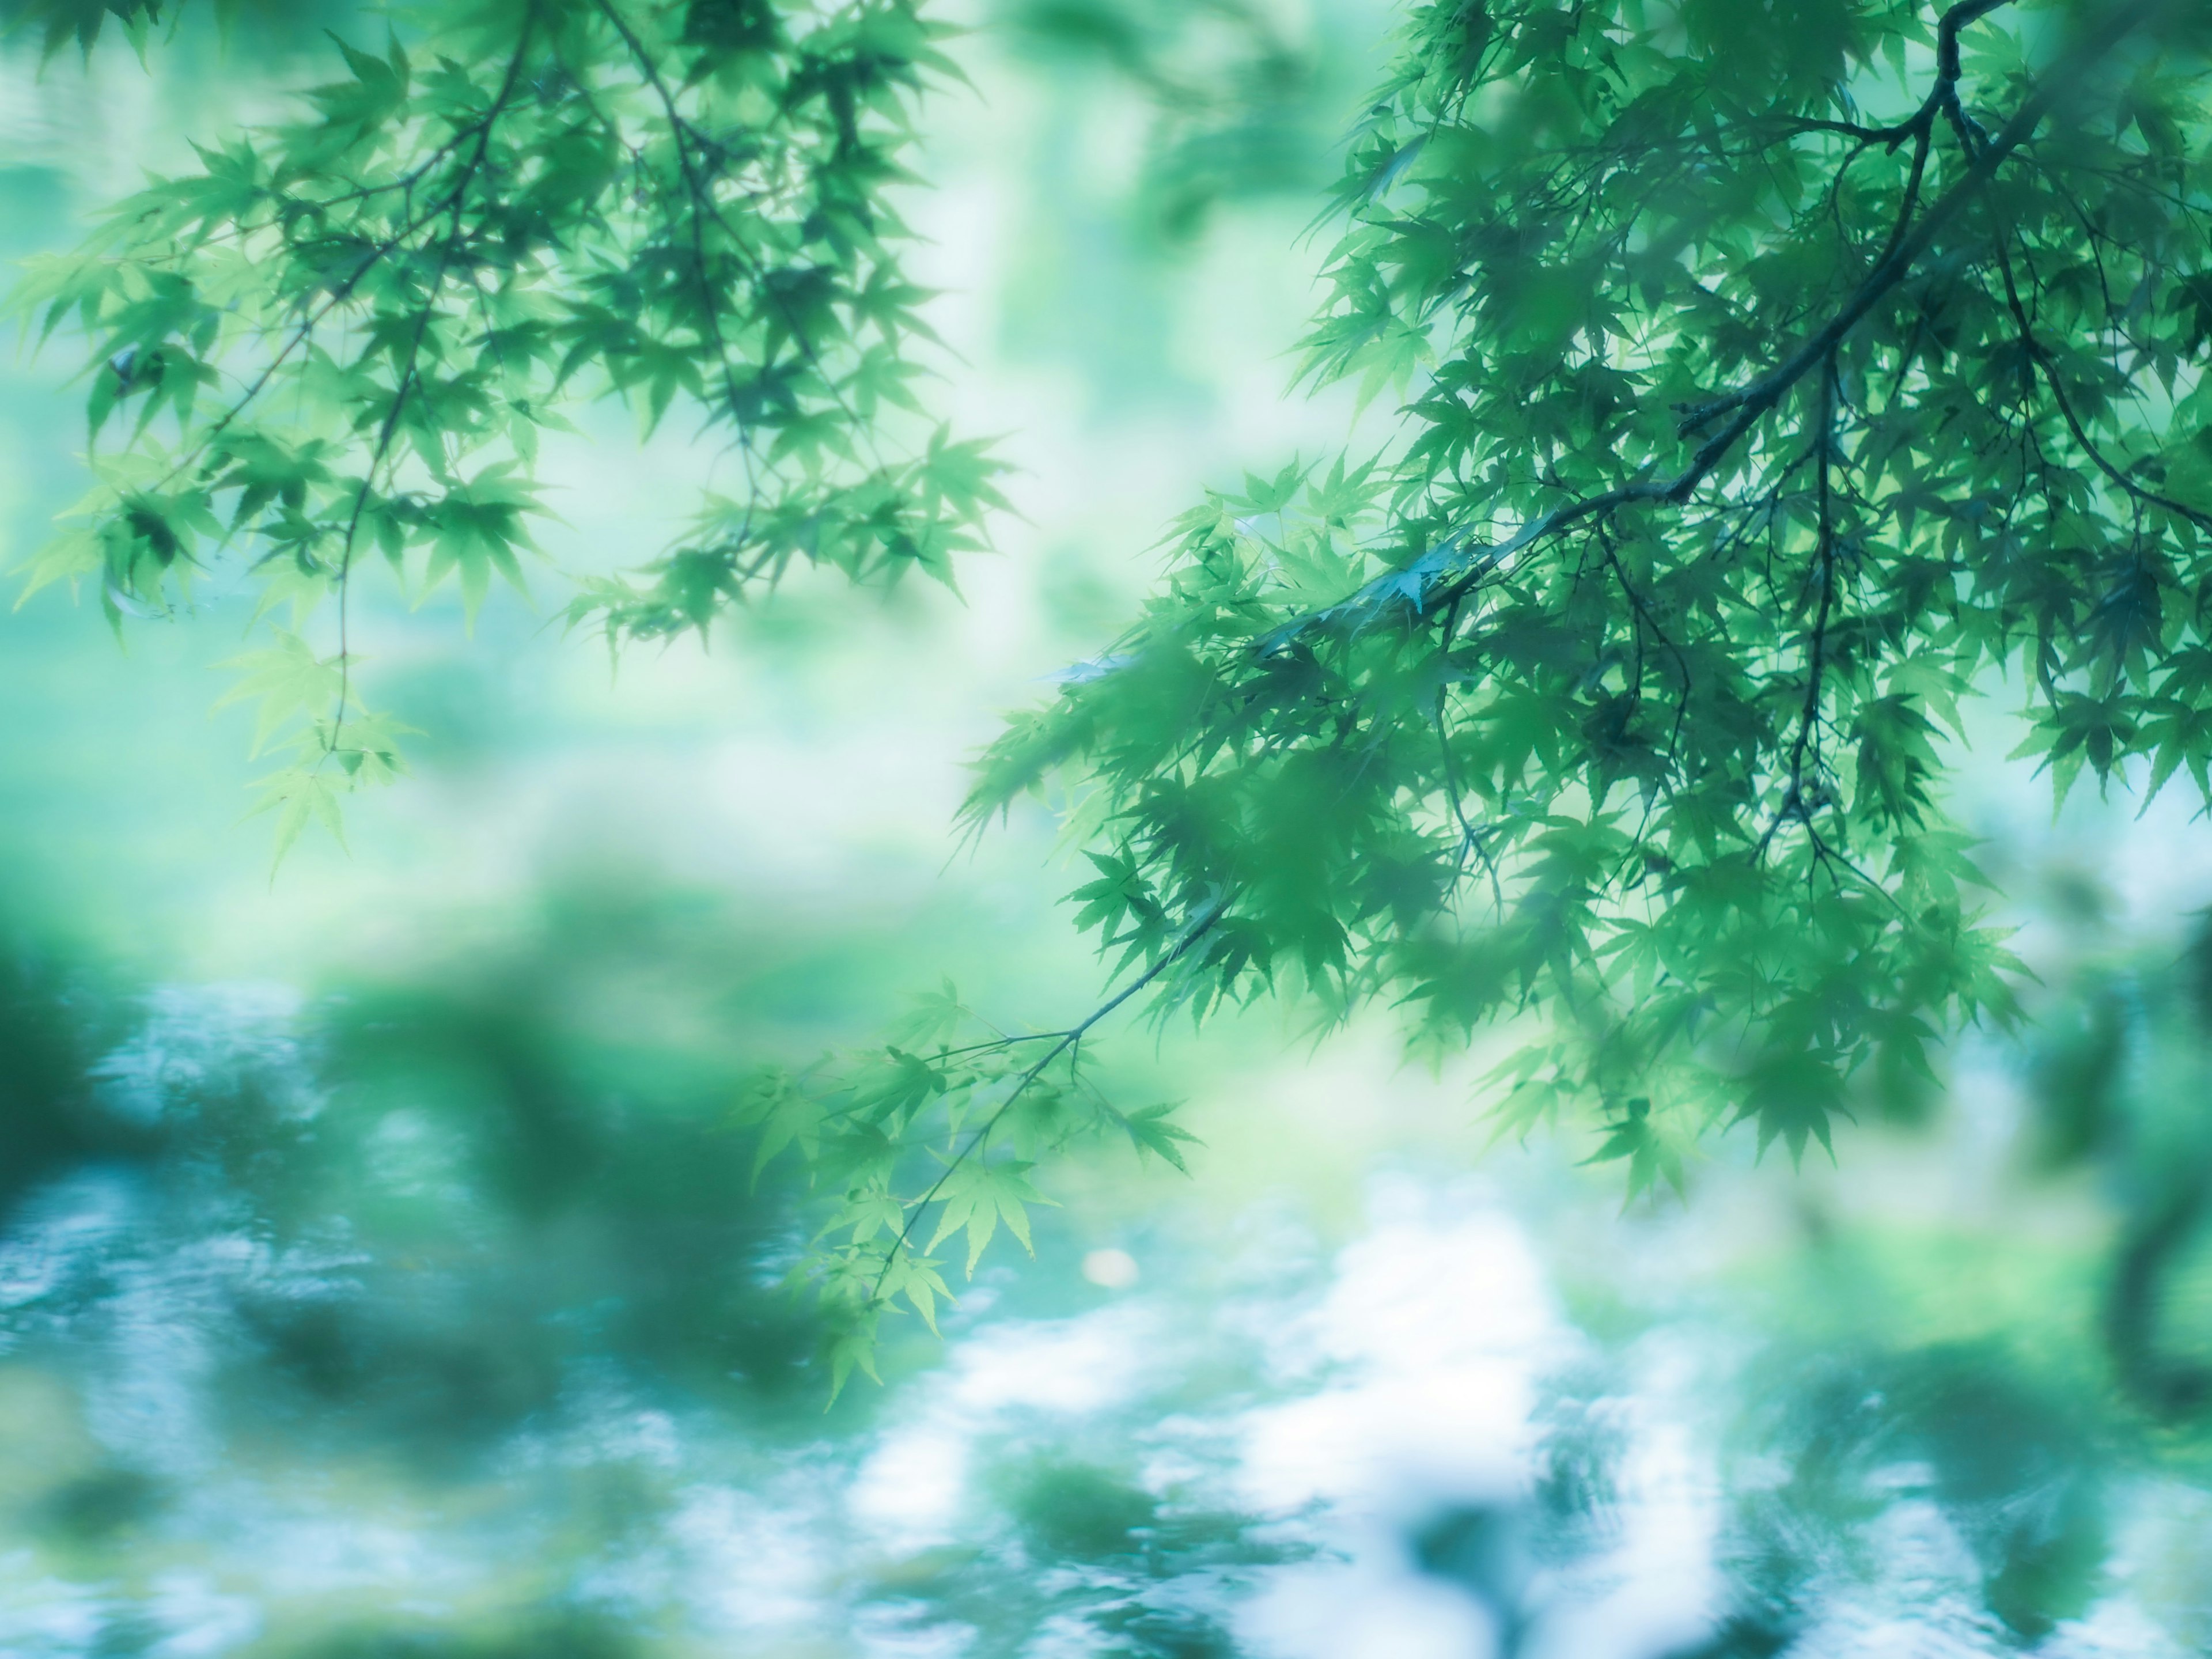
column 403, row 290
column 862, row 1128
column 1257, row 731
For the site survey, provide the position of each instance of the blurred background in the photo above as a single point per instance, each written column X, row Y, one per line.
column 379, row 1273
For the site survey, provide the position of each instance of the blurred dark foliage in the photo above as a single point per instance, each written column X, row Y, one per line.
column 62, row 25
column 1242, row 105
column 54, row 1020
column 408, row 1224
column 505, row 1195
column 2122, row 1075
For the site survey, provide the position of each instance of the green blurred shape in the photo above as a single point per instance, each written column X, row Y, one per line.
column 95, row 1509
column 1081, row 1512
column 547, row 1633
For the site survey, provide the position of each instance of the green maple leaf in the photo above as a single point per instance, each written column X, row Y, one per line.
column 978, row 1195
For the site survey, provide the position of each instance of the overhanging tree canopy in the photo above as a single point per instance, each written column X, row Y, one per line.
column 1783, row 374
column 1779, row 375
column 357, row 324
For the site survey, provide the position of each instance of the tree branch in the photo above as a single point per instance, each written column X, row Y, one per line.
column 1062, row 1042
column 2041, row 359
column 1792, row 804
column 388, row 432
column 1449, row 570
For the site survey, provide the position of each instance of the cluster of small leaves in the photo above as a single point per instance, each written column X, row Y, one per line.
column 930, row 1140
column 63, row 23
column 60, row 25
column 343, row 337
column 1777, row 376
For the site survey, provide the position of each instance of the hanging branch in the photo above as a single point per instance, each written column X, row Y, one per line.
column 572, row 163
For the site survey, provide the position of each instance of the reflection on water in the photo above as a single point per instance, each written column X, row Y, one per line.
column 389, row 1325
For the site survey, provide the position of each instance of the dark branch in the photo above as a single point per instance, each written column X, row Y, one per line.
column 2041, row 357
column 1793, row 803
column 1062, row 1042
column 1449, row 570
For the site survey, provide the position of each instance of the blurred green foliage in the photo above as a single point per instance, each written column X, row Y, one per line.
column 473, row 1276
column 58, row 25
column 1244, row 104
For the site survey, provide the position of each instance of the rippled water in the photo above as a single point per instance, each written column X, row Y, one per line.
column 382, row 1328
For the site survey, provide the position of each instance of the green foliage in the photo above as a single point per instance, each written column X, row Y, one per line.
column 913, row 1148
column 1234, row 109
column 63, row 23
column 60, row 25
column 1749, row 429
column 343, row 336
column 1774, row 379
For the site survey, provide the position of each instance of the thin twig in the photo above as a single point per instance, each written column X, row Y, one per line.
column 388, row 431
column 1063, row 1040
column 1792, row 804
column 1453, row 569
